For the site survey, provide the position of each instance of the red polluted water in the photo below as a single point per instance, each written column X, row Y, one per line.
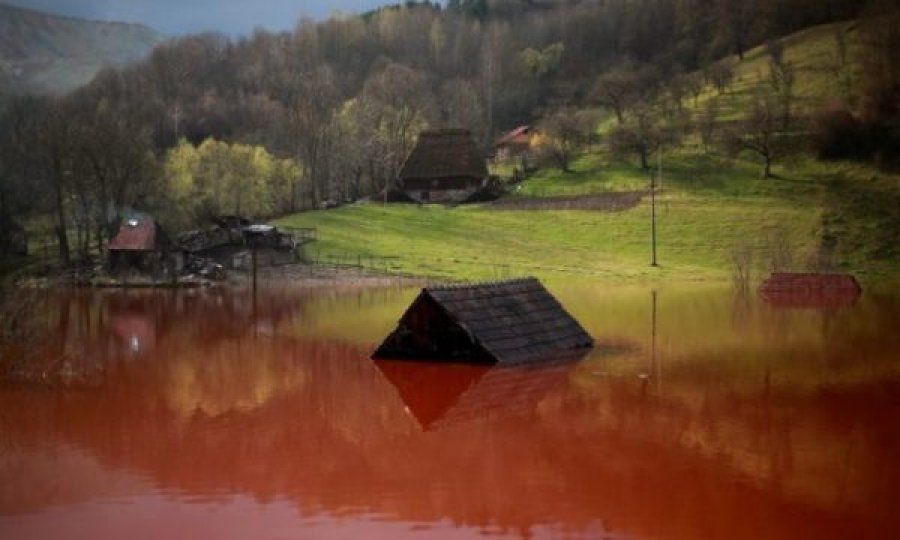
column 208, row 414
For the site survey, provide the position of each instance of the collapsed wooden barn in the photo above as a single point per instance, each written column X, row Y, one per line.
column 444, row 167
column 509, row 322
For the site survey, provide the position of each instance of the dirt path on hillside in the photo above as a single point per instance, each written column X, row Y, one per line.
column 607, row 202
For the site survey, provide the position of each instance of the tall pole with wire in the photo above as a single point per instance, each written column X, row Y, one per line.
column 653, row 219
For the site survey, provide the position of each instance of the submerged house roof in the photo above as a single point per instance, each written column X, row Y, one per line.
column 139, row 234
column 446, row 153
column 799, row 290
column 506, row 322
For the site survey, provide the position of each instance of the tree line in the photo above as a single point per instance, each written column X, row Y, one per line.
column 329, row 110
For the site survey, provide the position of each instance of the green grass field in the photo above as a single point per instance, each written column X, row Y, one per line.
column 706, row 208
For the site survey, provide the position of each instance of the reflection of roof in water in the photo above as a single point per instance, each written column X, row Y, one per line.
column 442, row 394
column 135, row 329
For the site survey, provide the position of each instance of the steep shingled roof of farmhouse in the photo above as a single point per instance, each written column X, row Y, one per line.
column 446, row 153
column 507, row 322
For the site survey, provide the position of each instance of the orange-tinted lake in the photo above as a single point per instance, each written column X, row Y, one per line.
column 204, row 414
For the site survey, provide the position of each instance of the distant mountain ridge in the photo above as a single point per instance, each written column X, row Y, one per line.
column 53, row 54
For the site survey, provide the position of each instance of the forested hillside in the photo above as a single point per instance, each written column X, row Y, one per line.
column 46, row 53
column 330, row 110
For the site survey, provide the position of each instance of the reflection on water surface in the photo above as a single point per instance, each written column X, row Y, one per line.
column 204, row 414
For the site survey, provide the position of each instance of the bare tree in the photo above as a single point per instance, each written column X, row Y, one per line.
column 781, row 78
column 694, row 85
column 55, row 139
column 757, row 132
column 401, row 104
column 720, row 75
column 617, row 90
column 708, row 123
column 841, row 65
column 308, row 121
column 565, row 133
column 643, row 135
column 737, row 18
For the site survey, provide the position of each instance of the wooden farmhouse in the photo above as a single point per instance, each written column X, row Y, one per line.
column 509, row 322
column 444, row 167
column 142, row 244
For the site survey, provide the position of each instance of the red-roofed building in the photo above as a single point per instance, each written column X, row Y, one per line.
column 141, row 243
column 515, row 144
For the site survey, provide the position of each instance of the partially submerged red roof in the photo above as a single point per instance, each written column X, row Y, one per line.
column 137, row 234
column 810, row 290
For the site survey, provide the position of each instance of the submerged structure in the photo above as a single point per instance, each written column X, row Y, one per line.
column 444, row 167
column 508, row 322
column 813, row 290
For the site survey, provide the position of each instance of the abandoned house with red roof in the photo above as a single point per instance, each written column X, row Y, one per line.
column 444, row 167
column 142, row 244
column 513, row 143
column 509, row 322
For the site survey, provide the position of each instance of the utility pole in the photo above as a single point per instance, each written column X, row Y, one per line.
column 653, row 219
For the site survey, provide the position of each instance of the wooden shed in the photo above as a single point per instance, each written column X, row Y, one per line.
column 445, row 167
column 508, row 322
column 142, row 244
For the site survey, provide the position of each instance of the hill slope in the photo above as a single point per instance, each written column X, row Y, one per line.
column 825, row 215
column 46, row 53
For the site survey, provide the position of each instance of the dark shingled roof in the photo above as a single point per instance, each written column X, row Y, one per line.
column 506, row 322
column 446, row 153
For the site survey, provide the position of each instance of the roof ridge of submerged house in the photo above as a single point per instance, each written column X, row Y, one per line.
column 504, row 322
column 487, row 283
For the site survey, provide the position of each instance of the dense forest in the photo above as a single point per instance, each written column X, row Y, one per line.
column 274, row 123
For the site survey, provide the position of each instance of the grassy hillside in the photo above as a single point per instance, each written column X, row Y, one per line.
column 815, row 57
column 846, row 214
column 53, row 54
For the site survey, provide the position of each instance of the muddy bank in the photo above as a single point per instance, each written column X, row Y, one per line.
column 323, row 276
column 291, row 275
